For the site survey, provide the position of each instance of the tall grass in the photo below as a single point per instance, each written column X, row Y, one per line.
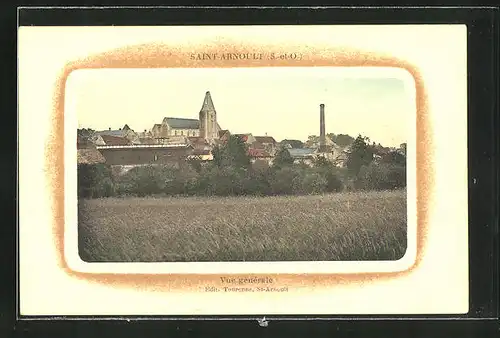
column 343, row 226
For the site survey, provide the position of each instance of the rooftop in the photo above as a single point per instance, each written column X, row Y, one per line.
column 145, row 146
column 208, row 105
column 265, row 139
column 116, row 133
column 223, row 132
column 182, row 123
column 258, row 153
column 114, row 140
column 89, row 156
column 301, row 152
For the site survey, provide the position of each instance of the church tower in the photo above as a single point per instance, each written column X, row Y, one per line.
column 208, row 119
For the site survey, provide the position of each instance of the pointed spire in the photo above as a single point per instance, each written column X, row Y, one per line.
column 208, row 105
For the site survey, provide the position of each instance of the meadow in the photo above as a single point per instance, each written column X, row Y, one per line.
column 338, row 226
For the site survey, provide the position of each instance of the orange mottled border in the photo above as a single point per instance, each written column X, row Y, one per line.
column 167, row 56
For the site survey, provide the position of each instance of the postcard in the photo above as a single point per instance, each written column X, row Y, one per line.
column 264, row 170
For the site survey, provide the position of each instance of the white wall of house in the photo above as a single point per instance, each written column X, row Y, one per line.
column 185, row 132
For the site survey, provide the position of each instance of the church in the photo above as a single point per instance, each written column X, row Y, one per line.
column 205, row 127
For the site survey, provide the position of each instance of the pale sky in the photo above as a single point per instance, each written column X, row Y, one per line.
column 282, row 102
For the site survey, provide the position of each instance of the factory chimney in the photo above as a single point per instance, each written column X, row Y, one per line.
column 322, row 141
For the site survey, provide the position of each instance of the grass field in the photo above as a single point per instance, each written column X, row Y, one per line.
column 344, row 226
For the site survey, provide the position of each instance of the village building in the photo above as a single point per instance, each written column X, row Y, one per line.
column 86, row 150
column 178, row 139
column 205, row 127
column 201, row 154
column 260, row 155
column 267, row 143
column 147, row 140
column 303, row 155
column 133, row 155
column 115, row 140
column 125, row 132
column 288, row 144
column 335, row 155
column 82, row 140
column 224, row 135
column 146, row 137
column 247, row 138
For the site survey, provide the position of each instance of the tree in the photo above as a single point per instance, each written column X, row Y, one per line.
column 327, row 170
column 360, row 154
column 381, row 176
column 195, row 163
column 312, row 183
column 343, row 140
column 233, row 153
column 321, row 162
column 394, row 157
column 95, row 180
column 282, row 158
column 282, row 180
column 312, row 140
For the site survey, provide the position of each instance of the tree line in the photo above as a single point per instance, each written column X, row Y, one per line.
column 232, row 173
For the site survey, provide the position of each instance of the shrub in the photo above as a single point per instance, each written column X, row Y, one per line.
column 222, row 181
column 256, row 182
column 149, row 180
column 95, row 180
column 381, row 176
column 331, row 174
column 313, row 183
column 333, row 181
column 282, row 181
column 261, row 180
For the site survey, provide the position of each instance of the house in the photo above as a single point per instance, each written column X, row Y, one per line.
column 259, row 155
column 147, row 140
column 314, row 141
column 199, row 143
column 247, row 138
column 97, row 140
column 146, row 137
column 158, row 131
column 266, row 142
column 224, row 135
column 333, row 153
column 336, row 156
column 82, row 142
column 115, row 140
column 124, row 132
column 303, row 155
column 172, row 140
column 201, row 154
column 145, row 154
column 87, row 138
column 291, row 144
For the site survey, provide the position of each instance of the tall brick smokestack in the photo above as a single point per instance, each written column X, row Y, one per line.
column 322, row 140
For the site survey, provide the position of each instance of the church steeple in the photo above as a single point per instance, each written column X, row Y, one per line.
column 208, row 105
column 208, row 119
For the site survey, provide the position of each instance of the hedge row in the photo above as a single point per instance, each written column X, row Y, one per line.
column 100, row 181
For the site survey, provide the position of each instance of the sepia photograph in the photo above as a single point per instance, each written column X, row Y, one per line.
column 242, row 164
